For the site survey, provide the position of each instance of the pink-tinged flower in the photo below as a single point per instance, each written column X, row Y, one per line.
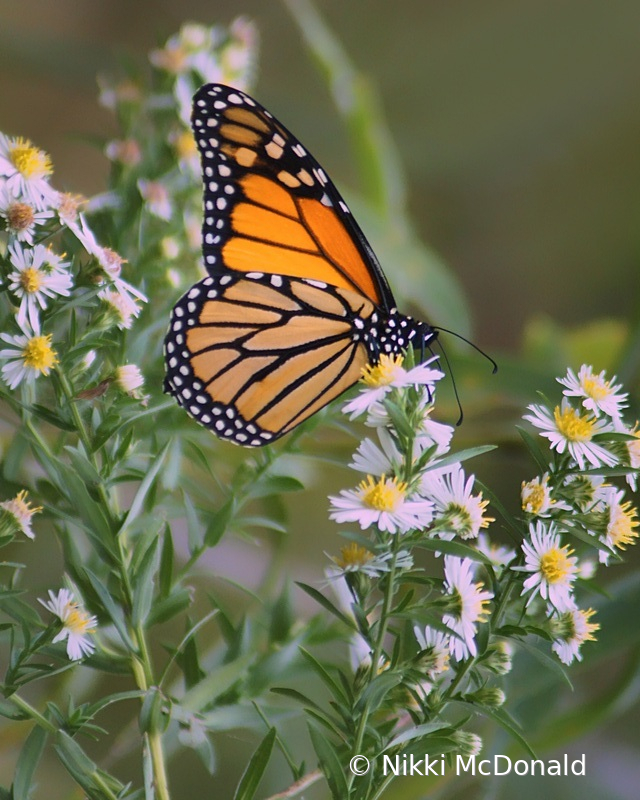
column 598, row 394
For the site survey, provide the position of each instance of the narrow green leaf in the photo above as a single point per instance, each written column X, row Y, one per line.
column 326, row 603
column 329, row 763
column 255, row 768
column 219, row 523
column 28, row 762
column 144, row 488
column 113, row 610
column 415, row 733
column 275, row 484
column 325, row 677
column 217, row 682
column 144, row 584
column 531, row 443
column 165, row 574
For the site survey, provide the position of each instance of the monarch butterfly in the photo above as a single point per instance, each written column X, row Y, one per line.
column 295, row 303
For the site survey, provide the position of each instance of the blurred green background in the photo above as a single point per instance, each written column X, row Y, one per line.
column 518, row 124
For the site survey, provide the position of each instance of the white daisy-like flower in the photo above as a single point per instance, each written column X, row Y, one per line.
column 78, row 626
column 388, row 374
column 430, row 432
column 569, row 431
column 622, row 521
column 26, row 169
column 156, row 197
column 17, row 514
column 469, row 605
column 631, row 450
column 570, row 630
column 458, row 512
column 436, row 647
column 597, row 393
column 21, row 218
column 38, row 276
column 355, row 558
column 374, row 460
column 553, row 567
column 125, row 151
column 383, row 503
column 124, row 307
column 28, row 356
column 536, row 497
column 130, row 379
column 499, row 555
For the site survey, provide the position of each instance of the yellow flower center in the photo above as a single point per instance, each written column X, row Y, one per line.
column 383, row 495
column 20, row 216
column 383, row 373
column 533, row 497
column 621, row 530
column 38, row 354
column 555, row 564
column 23, row 507
column 596, row 388
column 572, row 426
column 353, row 555
column 29, row 160
column 78, row 621
column 31, row 280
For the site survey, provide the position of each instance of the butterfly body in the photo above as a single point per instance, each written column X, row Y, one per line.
column 295, row 303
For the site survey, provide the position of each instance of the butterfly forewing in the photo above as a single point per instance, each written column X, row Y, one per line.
column 270, row 206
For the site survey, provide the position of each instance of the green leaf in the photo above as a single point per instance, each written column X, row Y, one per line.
column 275, row 484
column 113, row 610
column 415, row 733
column 143, row 584
column 326, row 603
column 165, row 574
column 255, row 768
column 28, row 762
column 143, row 490
column 329, row 763
column 532, row 446
column 334, row 687
column 219, row 680
column 168, row 607
column 219, row 523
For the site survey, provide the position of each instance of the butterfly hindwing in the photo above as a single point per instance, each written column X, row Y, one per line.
column 253, row 356
column 269, row 205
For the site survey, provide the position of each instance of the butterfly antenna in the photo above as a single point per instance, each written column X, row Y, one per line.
column 453, row 380
column 471, row 344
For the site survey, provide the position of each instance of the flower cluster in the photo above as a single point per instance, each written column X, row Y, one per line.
column 573, row 503
column 411, row 494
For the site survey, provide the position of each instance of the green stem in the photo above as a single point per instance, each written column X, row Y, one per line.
column 141, row 663
column 32, row 712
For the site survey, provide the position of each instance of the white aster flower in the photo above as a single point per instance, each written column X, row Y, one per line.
column 26, row 170
column 430, row 432
column 130, row 379
column 436, row 646
column 21, row 218
column 156, row 197
column 622, row 522
column 77, row 625
column 631, row 451
column 553, row 568
column 16, row 515
column 388, row 374
column 125, row 308
column 28, row 356
column 569, row 431
column 536, row 497
column 599, row 394
column 374, row 460
column 469, row 602
column 457, row 511
column 570, row 630
column 499, row 555
column 38, row 276
column 355, row 558
column 383, row 503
